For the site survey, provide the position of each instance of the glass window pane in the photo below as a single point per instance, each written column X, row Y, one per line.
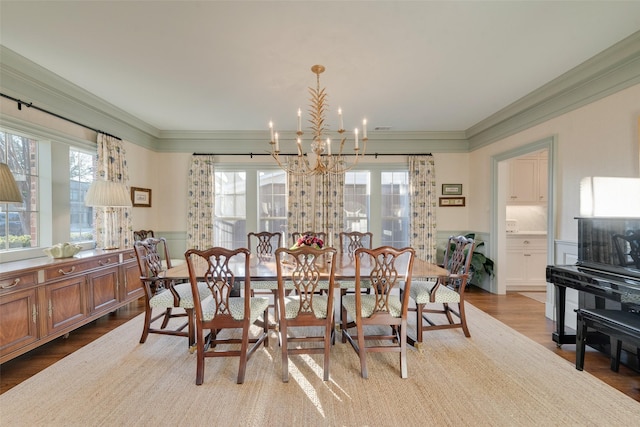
column 357, row 201
column 230, row 209
column 272, row 201
column 81, row 167
column 19, row 221
column 395, row 208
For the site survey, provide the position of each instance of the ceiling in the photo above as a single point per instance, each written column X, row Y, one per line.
column 222, row 65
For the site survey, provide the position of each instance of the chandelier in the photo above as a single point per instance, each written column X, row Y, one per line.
column 322, row 159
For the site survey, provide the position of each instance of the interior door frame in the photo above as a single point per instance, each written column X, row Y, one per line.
column 499, row 181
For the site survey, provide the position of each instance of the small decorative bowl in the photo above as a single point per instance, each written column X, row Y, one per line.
column 63, row 250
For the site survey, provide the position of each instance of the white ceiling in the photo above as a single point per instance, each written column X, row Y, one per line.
column 221, row 65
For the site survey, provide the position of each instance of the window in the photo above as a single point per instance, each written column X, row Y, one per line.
column 395, row 208
column 19, row 222
column 81, row 167
column 356, row 201
column 272, row 201
column 230, row 217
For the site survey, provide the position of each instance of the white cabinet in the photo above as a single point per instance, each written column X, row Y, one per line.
column 526, row 263
column 528, row 179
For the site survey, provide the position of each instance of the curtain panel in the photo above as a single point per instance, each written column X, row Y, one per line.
column 111, row 165
column 422, row 204
column 200, row 194
column 315, row 202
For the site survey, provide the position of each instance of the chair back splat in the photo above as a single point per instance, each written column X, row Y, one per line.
column 219, row 310
column 380, row 316
column 446, row 292
column 306, row 314
column 263, row 245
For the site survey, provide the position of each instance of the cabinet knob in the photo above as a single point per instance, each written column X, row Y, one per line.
column 61, row 271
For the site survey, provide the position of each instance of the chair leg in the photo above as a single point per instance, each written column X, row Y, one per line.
column 285, row 353
column 328, row 338
column 243, row 354
column 191, row 326
column 403, row 351
column 167, row 317
column 343, row 320
column 419, row 320
column 147, row 323
column 463, row 319
column 200, row 356
column 362, row 352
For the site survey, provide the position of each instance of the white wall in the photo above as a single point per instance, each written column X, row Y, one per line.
column 599, row 139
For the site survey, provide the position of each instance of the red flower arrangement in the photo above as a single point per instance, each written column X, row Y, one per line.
column 308, row 240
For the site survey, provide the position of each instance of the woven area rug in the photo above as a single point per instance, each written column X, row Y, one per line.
column 497, row 377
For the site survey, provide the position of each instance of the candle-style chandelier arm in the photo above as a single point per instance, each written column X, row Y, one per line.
column 320, row 159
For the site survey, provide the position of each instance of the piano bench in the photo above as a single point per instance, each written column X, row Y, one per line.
column 618, row 325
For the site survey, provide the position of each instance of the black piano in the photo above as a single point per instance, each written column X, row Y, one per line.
column 607, row 274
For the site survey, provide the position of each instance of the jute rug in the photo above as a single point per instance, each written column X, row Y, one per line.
column 497, row 377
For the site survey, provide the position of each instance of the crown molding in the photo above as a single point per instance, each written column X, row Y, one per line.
column 612, row 70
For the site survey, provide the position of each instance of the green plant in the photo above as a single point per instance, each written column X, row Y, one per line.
column 481, row 265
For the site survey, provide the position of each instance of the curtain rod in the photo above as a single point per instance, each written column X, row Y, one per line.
column 30, row 105
column 295, row 154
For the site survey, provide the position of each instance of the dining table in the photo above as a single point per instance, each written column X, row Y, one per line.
column 263, row 267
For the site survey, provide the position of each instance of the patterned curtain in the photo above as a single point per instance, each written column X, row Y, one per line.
column 201, row 203
column 315, row 203
column 111, row 165
column 422, row 219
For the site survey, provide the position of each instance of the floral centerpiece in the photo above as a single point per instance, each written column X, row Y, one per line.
column 308, row 240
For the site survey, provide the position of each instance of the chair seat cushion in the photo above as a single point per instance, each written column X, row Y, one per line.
column 292, row 306
column 257, row 306
column 421, row 293
column 269, row 285
column 369, row 304
column 351, row 284
column 164, row 299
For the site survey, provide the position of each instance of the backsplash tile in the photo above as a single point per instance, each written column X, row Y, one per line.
column 529, row 218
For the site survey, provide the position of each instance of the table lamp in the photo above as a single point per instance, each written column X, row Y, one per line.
column 108, row 195
column 9, row 191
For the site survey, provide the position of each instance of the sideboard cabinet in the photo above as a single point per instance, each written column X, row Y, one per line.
column 43, row 298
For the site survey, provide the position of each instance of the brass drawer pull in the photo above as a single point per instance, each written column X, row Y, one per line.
column 10, row 285
column 34, row 313
column 108, row 261
column 61, row 271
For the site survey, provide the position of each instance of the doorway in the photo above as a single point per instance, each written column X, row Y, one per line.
column 543, row 255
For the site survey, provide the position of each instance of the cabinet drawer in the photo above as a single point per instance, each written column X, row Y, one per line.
column 72, row 268
column 526, row 243
column 18, row 281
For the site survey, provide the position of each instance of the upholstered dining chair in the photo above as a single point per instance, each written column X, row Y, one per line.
column 161, row 293
column 306, row 310
column 447, row 292
column 263, row 245
column 218, row 310
column 387, row 269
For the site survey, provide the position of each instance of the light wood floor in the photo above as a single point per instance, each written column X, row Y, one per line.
column 523, row 314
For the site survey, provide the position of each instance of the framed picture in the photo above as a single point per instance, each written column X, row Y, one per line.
column 451, row 189
column 141, row 197
column 452, row 201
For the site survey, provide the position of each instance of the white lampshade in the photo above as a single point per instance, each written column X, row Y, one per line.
column 9, row 191
column 107, row 194
column 610, row 197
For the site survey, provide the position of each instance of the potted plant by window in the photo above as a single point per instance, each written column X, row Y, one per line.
column 481, row 265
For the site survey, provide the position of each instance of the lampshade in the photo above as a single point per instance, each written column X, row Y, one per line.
column 9, row 192
column 107, row 194
column 610, row 197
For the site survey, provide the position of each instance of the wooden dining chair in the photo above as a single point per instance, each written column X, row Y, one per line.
column 447, row 291
column 263, row 245
column 218, row 310
column 370, row 314
column 306, row 309
column 163, row 294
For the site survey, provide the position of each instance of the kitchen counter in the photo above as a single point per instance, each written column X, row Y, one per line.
column 526, row 233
